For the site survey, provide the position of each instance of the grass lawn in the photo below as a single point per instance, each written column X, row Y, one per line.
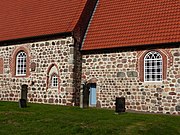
column 39, row 119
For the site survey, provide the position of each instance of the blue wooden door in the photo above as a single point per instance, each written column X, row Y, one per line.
column 92, row 95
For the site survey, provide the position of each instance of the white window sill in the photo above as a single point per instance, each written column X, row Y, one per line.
column 153, row 82
column 53, row 88
column 22, row 75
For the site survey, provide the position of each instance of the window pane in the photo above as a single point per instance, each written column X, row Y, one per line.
column 54, row 81
column 21, row 63
column 153, row 66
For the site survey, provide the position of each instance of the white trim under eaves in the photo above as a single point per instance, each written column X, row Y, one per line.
column 89, row 23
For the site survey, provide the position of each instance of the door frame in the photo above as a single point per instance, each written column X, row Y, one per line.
column 92, row 89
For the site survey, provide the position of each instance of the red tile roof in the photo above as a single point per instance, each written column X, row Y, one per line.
column 124, row 23
column 28, row 18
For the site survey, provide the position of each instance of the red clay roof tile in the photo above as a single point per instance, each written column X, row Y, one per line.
column 122, row 23
column 29, row 18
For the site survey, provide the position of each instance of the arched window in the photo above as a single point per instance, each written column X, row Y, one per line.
column 21, row 64
column 54, row 81
column 153, row 66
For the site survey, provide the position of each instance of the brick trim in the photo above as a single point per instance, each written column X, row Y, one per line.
column 92, row 80
column 13, row 61
column 2, row 65
column 48, row 83
column 141, row 63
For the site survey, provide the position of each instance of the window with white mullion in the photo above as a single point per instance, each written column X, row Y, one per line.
column 21, row 64
column 153, row 67
column 54, row 81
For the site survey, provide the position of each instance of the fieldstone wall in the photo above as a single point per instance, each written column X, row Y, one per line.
column 42, row 55
column 117, row 75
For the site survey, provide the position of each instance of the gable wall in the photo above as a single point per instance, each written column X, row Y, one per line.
column 41, row 56
column 117, row 75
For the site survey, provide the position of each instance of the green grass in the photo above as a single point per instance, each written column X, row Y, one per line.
column 39, row 119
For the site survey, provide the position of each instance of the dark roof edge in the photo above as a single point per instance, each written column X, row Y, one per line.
column 91, row 18
column 84, row 20
column 138, row 48
column 35, row 38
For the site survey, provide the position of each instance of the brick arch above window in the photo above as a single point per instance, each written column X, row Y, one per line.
column 50, row 73
column 13, row 61
column 166, row 64
column 50, row 67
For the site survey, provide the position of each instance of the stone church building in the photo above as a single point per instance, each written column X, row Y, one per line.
column 113, row 49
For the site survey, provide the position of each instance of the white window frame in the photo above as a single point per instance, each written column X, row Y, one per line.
column 153, row 67
column 54, row 81
column 21, row 64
